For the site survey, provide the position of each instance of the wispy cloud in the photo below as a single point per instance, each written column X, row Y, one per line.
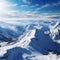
column 56, row 4
column 23, row 6
column 49, row 5
column 26, row 1
column 26, row 15
column 44, row 6
column 5, row 5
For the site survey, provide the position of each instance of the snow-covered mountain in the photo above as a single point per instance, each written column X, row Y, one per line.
column 38, row 41
column 54, row 32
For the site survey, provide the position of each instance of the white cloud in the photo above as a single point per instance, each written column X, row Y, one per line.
column 4, row 7
column 32, row 6
column 35, row 11
column 5, row 3
column 25, row 16
column 26, row 1
column 44, row 6
column 49, row 5
column 56, row 4
column 28, row 15
column 36, row 5
column 23, row 6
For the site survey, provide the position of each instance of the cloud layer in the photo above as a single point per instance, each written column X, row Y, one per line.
column 14, row 11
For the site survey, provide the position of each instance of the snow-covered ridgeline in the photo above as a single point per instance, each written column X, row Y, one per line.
column 24, row 42
column 54, row 30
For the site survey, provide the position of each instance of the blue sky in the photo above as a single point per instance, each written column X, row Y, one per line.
column 29, row 9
